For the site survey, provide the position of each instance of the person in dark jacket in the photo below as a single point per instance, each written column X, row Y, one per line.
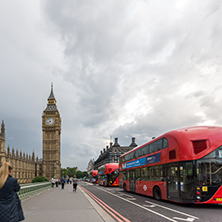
column 10, row 204
column 63, row 182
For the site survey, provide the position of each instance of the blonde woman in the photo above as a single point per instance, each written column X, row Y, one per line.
column 10, row 205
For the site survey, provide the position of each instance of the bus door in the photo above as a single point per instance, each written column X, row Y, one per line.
column 132, row 180
column 186, row 180
column 172, row 181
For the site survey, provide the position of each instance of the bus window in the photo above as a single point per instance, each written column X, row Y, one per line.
column 144, row 150
column 131, row 156
column 138, row 174
column 159, row 145
column 144, row 173
column 125, row 175
column 152, row 147
column 157, row 173
column 165, row 143
column 209, row 169
column 137, row 153
column 155, row 146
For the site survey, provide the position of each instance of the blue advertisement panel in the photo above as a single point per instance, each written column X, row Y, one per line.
column 143, row 161
column 153, row 159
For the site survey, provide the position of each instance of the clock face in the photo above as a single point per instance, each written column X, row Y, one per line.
column 50, row 121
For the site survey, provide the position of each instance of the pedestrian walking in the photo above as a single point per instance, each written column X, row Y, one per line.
column 75, row 182
column 63, row 182
column 56, row 182
column 53, row 182
column 10, row 204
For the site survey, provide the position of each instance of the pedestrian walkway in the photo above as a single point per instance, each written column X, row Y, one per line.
column 56, row 205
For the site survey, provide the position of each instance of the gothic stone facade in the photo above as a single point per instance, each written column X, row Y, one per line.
column 51, row 128
column 27, row 167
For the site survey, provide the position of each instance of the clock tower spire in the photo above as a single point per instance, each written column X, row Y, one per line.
column 51, row 130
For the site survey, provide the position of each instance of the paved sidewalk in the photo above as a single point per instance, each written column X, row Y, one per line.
column 56, row 205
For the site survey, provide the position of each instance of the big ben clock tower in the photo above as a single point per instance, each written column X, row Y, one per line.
column 51, row 130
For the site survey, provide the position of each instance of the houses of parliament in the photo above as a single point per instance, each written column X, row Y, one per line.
column 26, row 167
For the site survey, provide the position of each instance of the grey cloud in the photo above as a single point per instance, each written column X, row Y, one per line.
column 120, row 68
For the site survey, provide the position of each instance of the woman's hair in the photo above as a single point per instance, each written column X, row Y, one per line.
column 4, row 172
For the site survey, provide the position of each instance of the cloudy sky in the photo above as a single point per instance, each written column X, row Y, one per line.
column 126, row 68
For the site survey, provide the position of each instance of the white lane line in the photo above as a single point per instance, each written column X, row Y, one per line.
column 188, row 219
column 139, row 206
column 150, row 205
column 179, row 212
column 123, row 194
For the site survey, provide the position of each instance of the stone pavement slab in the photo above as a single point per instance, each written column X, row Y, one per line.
column 56, row 205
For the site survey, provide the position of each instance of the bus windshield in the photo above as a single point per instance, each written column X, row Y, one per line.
column 209, row 168
column 112, row 176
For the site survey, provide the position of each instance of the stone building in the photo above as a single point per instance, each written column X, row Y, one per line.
column 26, row 167
column 112, row 153
column 51, row 132
column 2, row 142
column 90, row 166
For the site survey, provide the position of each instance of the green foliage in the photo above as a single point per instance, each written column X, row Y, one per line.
column 85, row 174
column 39, row 179
column 79, row 174
column 71, row 172
column 64, row 172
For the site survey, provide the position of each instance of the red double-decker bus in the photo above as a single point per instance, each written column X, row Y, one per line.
column 109, row 174
column 95, row 176
column 183, row 165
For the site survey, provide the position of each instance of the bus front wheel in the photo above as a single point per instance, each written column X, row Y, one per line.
column 157, row 193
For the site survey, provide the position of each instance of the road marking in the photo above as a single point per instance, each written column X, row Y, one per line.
column 106, row 207
column 188, row 219
column 154, row 212
column 150, row 205
column 131, row 198
column 167, row 208
column 179, row 212
column 123, row 194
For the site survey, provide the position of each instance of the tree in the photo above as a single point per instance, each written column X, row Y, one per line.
column 64, row 172
column 72, row 172
column 79, row 174
column 39, row 179
column 84, row 174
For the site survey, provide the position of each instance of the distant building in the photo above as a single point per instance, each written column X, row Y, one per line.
column 75, row 168
column 26, row 167
column 90, row 166
column 2, row 142
column 112, row 153
column 51, row 131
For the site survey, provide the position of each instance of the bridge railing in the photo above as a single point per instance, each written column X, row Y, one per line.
column 27, row 190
